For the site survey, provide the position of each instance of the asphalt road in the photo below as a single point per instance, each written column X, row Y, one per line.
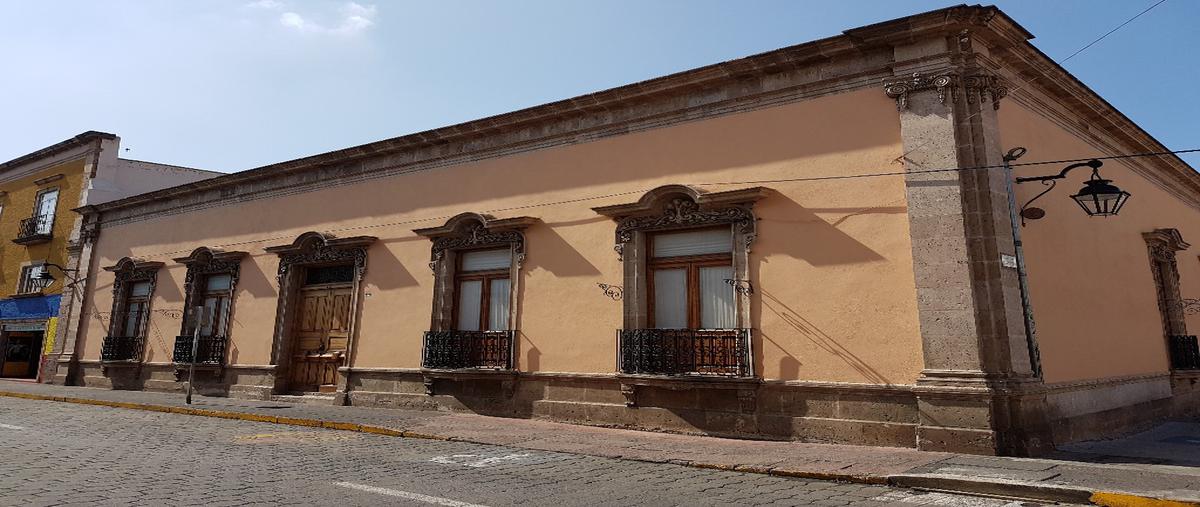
column 67, row 454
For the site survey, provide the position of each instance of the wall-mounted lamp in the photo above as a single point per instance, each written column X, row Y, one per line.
column 1098, row 197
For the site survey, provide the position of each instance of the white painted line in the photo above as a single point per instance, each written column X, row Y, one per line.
column 10, row 427
column 932, row 498
column 407, row 495
column 462, row 459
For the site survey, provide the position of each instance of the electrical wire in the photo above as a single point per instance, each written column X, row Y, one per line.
column 723, row 183
column 1030, row 81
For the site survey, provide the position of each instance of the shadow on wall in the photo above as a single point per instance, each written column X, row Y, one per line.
column 254, row 281
column 819, row 338
column 806, row 236
column 385, row 270
column 548, row 250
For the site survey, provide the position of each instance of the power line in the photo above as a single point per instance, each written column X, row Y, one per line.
column 1031, row 80
column 726, row 183
column 1110, row 32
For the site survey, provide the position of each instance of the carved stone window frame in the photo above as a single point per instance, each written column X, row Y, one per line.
column 314, row 249
column 465, row 232
column 1162, row 245
column 126, row 272
column 202, row 263
column 676, row 208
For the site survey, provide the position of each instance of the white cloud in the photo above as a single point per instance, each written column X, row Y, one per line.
column 353, row 18
column 265, row 4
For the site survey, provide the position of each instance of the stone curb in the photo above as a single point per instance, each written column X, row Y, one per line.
column 921, row 481
column 381, row 430
column 1017, row 489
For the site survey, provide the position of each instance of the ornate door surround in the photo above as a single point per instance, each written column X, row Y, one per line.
column 314, row 249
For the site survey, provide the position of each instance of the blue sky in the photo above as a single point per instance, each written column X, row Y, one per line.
column 231, row 85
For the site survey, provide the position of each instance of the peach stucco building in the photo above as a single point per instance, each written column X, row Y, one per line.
column 778, row 246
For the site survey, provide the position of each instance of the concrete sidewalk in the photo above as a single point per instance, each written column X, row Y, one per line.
column 1115, row 481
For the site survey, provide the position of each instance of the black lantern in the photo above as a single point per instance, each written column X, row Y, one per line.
column 45, row 279
column 1098, row 197
column 42, row 280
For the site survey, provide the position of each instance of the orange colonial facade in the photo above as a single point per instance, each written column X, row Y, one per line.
column 713, row 251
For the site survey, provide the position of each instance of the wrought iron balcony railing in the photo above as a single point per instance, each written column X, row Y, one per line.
column 121, row 348
column 1185, row 352
column 211, row 350
column 456, row 350
column 724, row 352
column 33, row 230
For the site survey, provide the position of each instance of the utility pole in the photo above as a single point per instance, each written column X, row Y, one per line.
column 1035, row 362
column 198, row 313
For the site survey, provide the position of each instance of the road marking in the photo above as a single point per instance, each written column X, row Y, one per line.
column 947, row 500
column 462, row 459
column 405, row 494
column 10, row 427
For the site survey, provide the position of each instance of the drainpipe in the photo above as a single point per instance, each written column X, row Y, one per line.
column 1035, row 362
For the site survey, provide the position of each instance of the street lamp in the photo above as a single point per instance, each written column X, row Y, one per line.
column 1098, row 197
column 45, row 279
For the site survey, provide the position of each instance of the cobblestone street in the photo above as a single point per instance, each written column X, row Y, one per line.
column 65, row 454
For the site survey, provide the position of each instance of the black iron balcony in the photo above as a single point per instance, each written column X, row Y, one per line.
column 457, row 350
column 35, row 230
column 121, row 348
column 211, row 350
column 1185, row 352
column 723, row 352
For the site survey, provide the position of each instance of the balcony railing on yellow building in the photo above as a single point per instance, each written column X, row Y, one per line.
column 34, row 230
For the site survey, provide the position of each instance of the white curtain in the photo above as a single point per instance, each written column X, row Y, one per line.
column 717, row 302
column 469, row 299
column 498, row 305
column 705, row 241
column 670, row 299
column 486, row 260
column 217, row 282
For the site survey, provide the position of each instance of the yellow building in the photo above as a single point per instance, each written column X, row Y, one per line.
column 37, row 193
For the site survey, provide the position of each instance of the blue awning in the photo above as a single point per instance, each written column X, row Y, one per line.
column 42, row 307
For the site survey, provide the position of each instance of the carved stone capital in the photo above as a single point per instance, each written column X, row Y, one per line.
column 947, row 85
column 899, row 88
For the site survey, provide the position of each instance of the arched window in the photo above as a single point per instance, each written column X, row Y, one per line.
column 132, row 289
column 476, row 260
column 687, row 281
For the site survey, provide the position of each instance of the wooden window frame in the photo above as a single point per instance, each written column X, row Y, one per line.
column 691, row 263
column 128, row 300
column 37, row 206
column 485, row 276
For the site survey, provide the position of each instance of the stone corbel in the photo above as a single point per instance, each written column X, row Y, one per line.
column 982, row 86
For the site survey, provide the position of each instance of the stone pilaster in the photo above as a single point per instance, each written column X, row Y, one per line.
column 978, row 391
column 79, row 259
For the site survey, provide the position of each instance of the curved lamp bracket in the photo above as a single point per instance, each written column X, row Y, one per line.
column 1050, row 181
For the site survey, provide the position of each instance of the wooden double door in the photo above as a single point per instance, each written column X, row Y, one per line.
column 320, row 337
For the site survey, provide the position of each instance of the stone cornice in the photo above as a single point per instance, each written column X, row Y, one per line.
column 851, row 61
column 1033, row 75
column 84, row 140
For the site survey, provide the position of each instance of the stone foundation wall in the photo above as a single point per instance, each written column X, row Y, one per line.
column 1115, row 406
column 860, row 414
